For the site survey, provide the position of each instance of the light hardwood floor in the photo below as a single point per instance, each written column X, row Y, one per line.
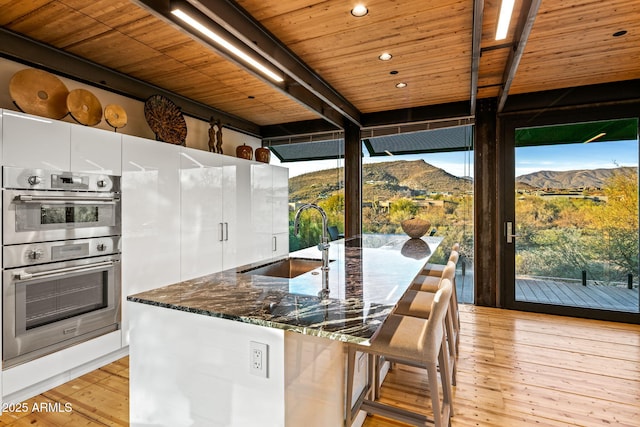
column 515, row 369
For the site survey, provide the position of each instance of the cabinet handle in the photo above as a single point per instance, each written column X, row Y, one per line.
column 221, row 231
column 226, row 228
column 275, row 243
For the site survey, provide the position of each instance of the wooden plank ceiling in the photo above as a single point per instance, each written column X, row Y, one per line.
column 571, row 44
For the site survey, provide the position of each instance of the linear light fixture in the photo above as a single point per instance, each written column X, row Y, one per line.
column 192, row 22
column 504, row 19
column 600, row 135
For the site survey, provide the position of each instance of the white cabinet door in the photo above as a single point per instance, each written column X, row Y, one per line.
column 95, row 150
column 280, row 210
column 270, row 211
column 261, row 213
column 201, row 220
column 150, row 217
column 236, row 212
column 35, row 142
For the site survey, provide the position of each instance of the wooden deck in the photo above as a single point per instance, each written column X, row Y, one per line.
column 558, row 292
column 514, row 369
column 555, row 291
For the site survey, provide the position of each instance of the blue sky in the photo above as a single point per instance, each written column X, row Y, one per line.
column 566, row 157
column 528, row 159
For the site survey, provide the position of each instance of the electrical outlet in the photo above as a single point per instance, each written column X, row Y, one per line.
column 258, row 359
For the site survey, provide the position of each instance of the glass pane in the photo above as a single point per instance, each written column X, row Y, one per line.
column 68, row 214
column 54, row 300
column 436, row 187
column 577, row 217
column 317, row 178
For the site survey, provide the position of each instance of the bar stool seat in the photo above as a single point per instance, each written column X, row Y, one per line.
column 436, row 269
column 417, row 303
column 412, row 341
column 430, row 284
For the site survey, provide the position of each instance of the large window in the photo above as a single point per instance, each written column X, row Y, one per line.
column 426, row 174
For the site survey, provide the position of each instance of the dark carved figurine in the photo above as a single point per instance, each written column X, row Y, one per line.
column 215, row 136
column 219, row 137
column 212, row 136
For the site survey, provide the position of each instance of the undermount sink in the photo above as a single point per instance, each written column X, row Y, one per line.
column 287, row 268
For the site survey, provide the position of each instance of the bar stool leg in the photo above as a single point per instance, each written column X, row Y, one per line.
column 351, row 361
column 451, row 345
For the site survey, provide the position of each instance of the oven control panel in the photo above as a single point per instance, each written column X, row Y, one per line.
column 44, row 252
column 41, row 179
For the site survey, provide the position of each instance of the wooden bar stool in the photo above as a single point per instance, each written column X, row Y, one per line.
column 418, row 304
column 412, row 341
column 430, row 284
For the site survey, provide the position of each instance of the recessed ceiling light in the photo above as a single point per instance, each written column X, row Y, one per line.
column 359, row 10
column 620, row 33
column 385, row 56
column 506, row 9
column 401, row 85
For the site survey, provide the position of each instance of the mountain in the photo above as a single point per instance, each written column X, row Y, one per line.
column 381, row 181
column 565, row 180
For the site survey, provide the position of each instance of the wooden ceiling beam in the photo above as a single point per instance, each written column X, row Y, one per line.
column 22, row 49
column 301, row 83
column 478, row 11
column 515, row 55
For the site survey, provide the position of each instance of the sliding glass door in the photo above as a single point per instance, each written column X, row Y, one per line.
column 571, row 224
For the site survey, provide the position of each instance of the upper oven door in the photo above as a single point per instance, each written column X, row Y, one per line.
column 40, row 216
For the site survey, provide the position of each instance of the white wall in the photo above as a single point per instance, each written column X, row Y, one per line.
column 197, row 130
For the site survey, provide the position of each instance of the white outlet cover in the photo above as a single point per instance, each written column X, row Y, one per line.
column 259, row 359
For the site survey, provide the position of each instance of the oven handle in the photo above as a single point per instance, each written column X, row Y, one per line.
column 52, row 273
column 61, row 199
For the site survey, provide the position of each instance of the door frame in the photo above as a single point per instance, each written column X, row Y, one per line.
column 508, row 123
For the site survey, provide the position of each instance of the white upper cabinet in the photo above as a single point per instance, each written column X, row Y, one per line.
column 280, row 210
column 237, row 207
column 202, row 228
column 35, row 142
column 226, row 212
column 96, row 150
column 262, row 199
column 270, row 210
column 150, row 217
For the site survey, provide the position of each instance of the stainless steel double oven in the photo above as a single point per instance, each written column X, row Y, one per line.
column 61, row 260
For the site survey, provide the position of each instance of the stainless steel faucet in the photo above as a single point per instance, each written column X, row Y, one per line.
column 324, row 244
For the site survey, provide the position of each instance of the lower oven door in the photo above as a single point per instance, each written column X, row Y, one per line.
column 53, row 306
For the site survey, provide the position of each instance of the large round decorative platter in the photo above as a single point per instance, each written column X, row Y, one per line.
column 115, row 116
column 40, row 93
column 84, row 107
column 165, row 120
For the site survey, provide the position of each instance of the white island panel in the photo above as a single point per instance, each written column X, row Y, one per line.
column 188, row 369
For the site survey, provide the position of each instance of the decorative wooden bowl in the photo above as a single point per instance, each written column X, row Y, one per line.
column 415, row 227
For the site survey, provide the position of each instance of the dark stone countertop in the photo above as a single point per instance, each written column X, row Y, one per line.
column 366, row 277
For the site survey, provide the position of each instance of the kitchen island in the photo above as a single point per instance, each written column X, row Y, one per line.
column 192, row 344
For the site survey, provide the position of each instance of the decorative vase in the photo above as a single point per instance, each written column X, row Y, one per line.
column 244, row 152
column 415, row 227
column 263, row 154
